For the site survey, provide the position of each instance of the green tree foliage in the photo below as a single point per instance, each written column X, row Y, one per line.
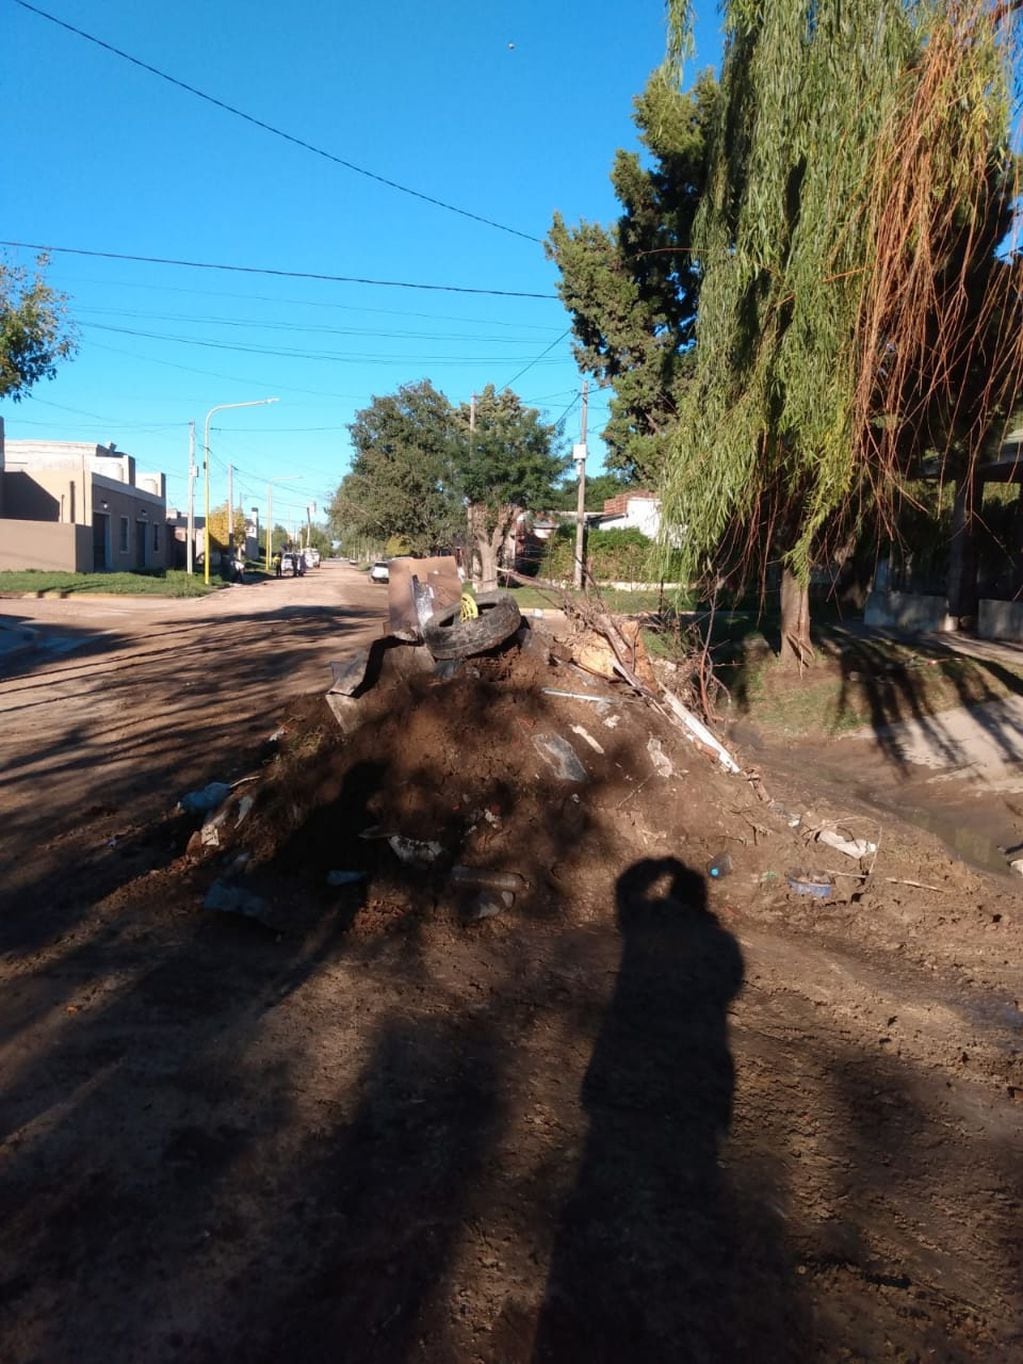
column 34, row 330
column 401, row 482
column 507, row 461
column 632, row 289
column 219, row 527
column 598, row 490
column 859, row 173
column 419, row 471
column 319, row 538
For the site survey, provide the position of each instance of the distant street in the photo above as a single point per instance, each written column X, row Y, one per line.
column 121, row 705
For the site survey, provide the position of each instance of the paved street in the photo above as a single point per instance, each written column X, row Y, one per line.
column 121, row 705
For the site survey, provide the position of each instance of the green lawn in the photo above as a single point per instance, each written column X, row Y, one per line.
column 172, row 583
column 858, row 678
column 550, row 599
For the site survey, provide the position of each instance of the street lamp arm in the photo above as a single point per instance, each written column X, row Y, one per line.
column 220, row 407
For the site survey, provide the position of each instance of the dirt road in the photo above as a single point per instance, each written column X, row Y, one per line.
column 126, row 703
column 641, row 1114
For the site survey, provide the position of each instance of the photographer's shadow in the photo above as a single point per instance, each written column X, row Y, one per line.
column 642, row 1267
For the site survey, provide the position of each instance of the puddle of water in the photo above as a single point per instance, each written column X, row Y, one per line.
column 982, row 848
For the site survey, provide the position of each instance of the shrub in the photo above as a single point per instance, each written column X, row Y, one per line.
column 623, row 555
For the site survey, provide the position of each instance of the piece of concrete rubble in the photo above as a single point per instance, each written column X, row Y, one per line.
column 414, row 852
column 226, row 898
column 489, row 903
column 560, row 757
column 587, row 737
column 852, row 847
column 214, row 828
column 486, row 878
column 663, row 765
column 1017, row 866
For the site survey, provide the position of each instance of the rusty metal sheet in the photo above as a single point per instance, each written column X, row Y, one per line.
column 439, row 586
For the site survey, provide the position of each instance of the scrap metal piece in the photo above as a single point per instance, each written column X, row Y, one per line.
column 415, row 584
column 350, row 674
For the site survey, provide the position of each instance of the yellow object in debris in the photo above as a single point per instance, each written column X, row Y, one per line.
column 467, row 608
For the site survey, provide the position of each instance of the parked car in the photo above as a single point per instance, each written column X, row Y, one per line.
column 290, row 561
column 312, row 557
column 380, row 573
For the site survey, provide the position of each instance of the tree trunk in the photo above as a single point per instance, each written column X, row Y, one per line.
column 962, row 561
column 796, row 647
column 487, row 545
column 488, row 563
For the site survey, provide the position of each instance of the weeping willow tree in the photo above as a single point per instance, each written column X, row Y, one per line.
column 860, row 307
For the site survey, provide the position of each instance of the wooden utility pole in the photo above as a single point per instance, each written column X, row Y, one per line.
column 190, row 547
column 579, row 455
column 230, row 512
column 470, row 523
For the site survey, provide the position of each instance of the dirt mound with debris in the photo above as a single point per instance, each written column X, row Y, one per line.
column 519, row 764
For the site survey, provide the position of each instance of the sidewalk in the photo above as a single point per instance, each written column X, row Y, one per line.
column 937, row 642
column 15, row 638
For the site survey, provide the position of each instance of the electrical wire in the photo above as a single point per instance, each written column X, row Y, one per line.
column 233, row 378
column 306, row 303
column 138, row 315
column 355, row 357
column 269, row 270
column 113, row 421
column 556, row 342
column 270, row 128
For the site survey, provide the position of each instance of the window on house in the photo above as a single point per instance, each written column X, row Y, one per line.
column 124, row 535
column 156, row 538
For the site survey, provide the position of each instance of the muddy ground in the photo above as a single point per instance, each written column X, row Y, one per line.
column 639, row 1114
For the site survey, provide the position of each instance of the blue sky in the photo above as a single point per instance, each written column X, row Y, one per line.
column 103, row 156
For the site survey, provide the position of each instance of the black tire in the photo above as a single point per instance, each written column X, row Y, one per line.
column 448, row 637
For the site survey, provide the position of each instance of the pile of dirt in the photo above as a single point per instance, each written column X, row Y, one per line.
column 520, row 763
column 438, row 771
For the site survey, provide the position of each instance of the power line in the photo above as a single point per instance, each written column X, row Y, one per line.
column 270, row 128
column 111, row 421
column 351, row 357
column 556, row 342
column 269, row 270
column 276, row 430
column 141, row 315
column 233, row 378
column 309, row 303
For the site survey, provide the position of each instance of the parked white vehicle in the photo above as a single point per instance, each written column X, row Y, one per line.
column 312, row 557
column 380, row 573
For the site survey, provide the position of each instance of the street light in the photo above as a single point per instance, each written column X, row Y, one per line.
column 221, row 407
column 298, row 478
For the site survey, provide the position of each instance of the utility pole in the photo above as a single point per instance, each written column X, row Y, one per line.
column 230, row 513
column 190, row 547
column 579, row 455
column 269, row 523
column 470, row 557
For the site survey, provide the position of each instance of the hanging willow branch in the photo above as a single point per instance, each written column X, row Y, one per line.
column 854, row 314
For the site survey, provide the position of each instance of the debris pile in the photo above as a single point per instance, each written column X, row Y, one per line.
column 518, row 776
